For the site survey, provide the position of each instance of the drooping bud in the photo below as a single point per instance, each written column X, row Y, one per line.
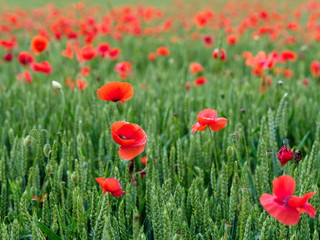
column 230, row 151
column 46, row 149
column 56, row 85
column 284, row 155
column 27, row 141
column 297, row 156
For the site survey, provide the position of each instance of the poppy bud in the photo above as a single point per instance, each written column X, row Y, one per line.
column 54, row 227
column 297, row 156
column 27, row 141
column 230, row 151
column 56, row 85
column 284, row 155
column 75, row 176
column 49, row 168
column 80, row 138
column 33, row 191
column 85, row 164
column 46, row 149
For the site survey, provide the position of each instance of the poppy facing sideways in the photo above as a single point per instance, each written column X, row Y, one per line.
column 110, row 185
column 116, row 91
column 131, row 138
column 209, row 117
column 282, row 205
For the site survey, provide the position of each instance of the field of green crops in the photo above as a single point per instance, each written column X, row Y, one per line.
column 257, row 64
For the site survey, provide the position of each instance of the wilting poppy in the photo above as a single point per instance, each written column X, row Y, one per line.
column 116, row 91
column 39, row 44
column 209, row 117
column 282, row 205
column 81, row 84
column 131, row 138
column 44, row 67
column 110, row 185
column 25, row 58
column 163, row 51
column 284, row 155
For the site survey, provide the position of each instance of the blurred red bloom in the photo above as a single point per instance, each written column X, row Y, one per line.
column 25, row 58
column 232, row 39
column 200, row 81
column 44, row 67
column 8, row 57
column 68, row 52
column 144, row 160
column 87, row 52
column 26, row 76
column 315, row 68
column 163, row 51
column 284, row 155
column 116, row 91
column 152, row 56
column 85, row 71
column 114, row 53
column 188, row 85
column 195, row 67
column 103, row 49
column 124, row 69
column 39, row 44
column 131, row 138
column 209, row 117
column 208, row 41
column 81, row 84
column 288, row 55
column 223, row 54
column 282, row 205
column 110, row 185
column 8, row 43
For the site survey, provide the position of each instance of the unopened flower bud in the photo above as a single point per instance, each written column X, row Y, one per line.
column 80, row 138
column 75, row 176
column 54, row 227
column 297, row 156
column 230, row 151
column 46, row 149
column 27, row 141
column 56, row 85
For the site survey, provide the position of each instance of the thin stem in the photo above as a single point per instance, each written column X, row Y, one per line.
column 214, row 149
column 63, row 107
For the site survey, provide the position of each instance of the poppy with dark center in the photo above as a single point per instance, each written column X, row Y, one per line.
column 131, row 138
column 110, row 185
column 39, row 44
column 282, row 205
column 284, row 155
column 25, row 58
column 208, row 117
column 116, row 91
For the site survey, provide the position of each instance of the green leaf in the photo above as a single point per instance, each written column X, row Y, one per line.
column 51, row 235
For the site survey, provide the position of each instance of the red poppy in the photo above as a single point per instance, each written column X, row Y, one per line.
column 39, row 44
column 152, row 56
column 163, row 51
column 87, row 52
column 208, row 41
column 223, row 54
column 188, row 85
column 81, row 84
column 68, row 52
column 209, row 117
column 8, row 43
column 232, row 39
column 110, row 185
column 124, row 69
column 131, row 138
column 195, row 67
column 144, row 160
column 288, row 55
column 284, row 155
column 282, row 205
column 85, row 71
column 315, row 68
column 114, row 53
column 26, row 76
column 70, row 83
column 25, row 58
column 8, row 57
column 116, row 91
column 200, row 81
column 103, row 49
column 44, row 67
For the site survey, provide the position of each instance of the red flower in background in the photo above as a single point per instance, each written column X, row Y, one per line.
column 114, row 53
column 144, row 160
column 85, row 71
column 68, row 52
column 163, row 51
column 152, row 56
column 103, row 49
column 208, row 117
column 195, row 67
column 315, row 68
column 232, row 39
column 39, row 44
column 8, row 57
column 288, row 55
column 208, row 41
column 44, row 67
column 26, row 76
column 110, row 185
column 116, row 91
column 25, row 58
column 222, row 56
column 8, row 43
column 131, row 138
column 81, row 84
column 124, row 69
column 199, row 81
column 87, row 52
column 284, row 155
column 282, row 205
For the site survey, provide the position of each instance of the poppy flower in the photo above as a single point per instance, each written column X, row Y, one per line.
column 144, row 160
column 116, row 91
column 39, row 44
column 282, row 205
column 114, row 53
column 208, row 41
column 26, row 76
column 87, row 52
column 25, row 58
column 188, row 85
column 284, row 155
column 223, row 54
column 8, row 43
column 81, row 84
column 103, row 49
column 209, row 117
column 200, row 81
column 288, row 55
column 195, row 67
column 8, row 57
column 124, row 69
column 315, row 68
column 232, row 39
column 110, row 185
column 163, row 51
column 85, row 71
column 68, row 52
column 70, row 83
column 152, row 56
column 44, row 67
column 131, row 138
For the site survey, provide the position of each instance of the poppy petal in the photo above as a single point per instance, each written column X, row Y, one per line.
column 285, row 215
column 218, row 124
column 198, row 127
column 206, row 116
column 283, row 187
column 101, row 181
column 112, row 185
column 118, row 193
column 130, row 152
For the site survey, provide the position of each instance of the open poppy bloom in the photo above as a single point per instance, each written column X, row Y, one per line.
column 282, row 205
column 81, row 84
column 87, row 52
column 25, row 58
column 195, row 67
column 163, row 51
column 39, row 44
column 110, row 185
column 68, row 52
column 131, row 138
column 209, row 117
column 44, row 67
column 116, row 91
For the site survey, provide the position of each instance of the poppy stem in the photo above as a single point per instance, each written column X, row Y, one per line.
column 214, row 149
column 63, row 107
column 284, row 170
